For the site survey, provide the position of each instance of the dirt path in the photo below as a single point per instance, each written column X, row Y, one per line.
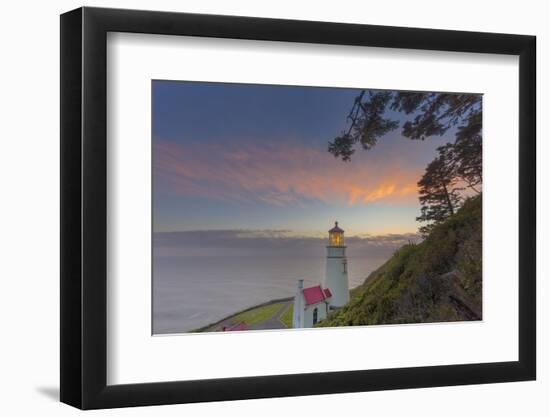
column 274, row 322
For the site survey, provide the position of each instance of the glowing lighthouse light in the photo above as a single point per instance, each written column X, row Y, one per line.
column 336, row 236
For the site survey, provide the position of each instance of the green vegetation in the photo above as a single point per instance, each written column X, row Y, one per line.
column 286, row 317
column 253, row 316
column 257, row 315
column 433, row 281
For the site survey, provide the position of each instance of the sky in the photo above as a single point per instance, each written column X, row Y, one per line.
column 252, row 161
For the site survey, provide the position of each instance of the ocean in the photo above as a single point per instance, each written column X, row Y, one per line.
column 193, row 291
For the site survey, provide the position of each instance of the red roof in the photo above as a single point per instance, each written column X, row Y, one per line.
column 237, row 327
column 314, row 295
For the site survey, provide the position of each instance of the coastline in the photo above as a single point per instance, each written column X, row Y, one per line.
column 212, row 326
column 216, row 326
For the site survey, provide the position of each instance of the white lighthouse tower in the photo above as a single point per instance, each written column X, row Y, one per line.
column 336, row 275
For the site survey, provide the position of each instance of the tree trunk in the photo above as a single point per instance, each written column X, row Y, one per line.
column 448, row 198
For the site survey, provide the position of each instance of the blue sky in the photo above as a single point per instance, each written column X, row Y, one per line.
column 253, row 157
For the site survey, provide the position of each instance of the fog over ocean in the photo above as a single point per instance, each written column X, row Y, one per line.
column 190, row 292
column 201, row 277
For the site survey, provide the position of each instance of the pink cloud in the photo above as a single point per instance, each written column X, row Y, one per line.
column 280, row 174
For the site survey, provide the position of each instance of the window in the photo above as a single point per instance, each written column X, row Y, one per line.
column 336, row 239
column 315, row 315
column 345, row 265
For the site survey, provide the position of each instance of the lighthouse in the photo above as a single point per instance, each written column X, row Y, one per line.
column 336, row 275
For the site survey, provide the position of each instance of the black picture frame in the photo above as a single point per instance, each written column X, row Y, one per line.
column 84, row 207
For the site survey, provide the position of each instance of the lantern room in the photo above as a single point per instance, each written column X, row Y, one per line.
column 336, row 236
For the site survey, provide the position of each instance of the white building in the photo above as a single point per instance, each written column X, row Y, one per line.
column 313, row 304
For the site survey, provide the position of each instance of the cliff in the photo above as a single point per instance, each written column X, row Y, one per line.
column 437, row 280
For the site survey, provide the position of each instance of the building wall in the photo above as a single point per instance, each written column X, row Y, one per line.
column 308, row 313
column 336, row 275
column 298, row 314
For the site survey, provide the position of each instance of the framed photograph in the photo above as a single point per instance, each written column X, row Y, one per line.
column 257, row 208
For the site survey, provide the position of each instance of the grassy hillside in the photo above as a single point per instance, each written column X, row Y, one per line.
column 433, row 281
column 269, row 315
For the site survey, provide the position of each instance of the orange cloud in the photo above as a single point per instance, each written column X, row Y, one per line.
column 279, row 174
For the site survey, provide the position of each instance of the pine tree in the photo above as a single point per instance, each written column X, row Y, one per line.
column 439, row 191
